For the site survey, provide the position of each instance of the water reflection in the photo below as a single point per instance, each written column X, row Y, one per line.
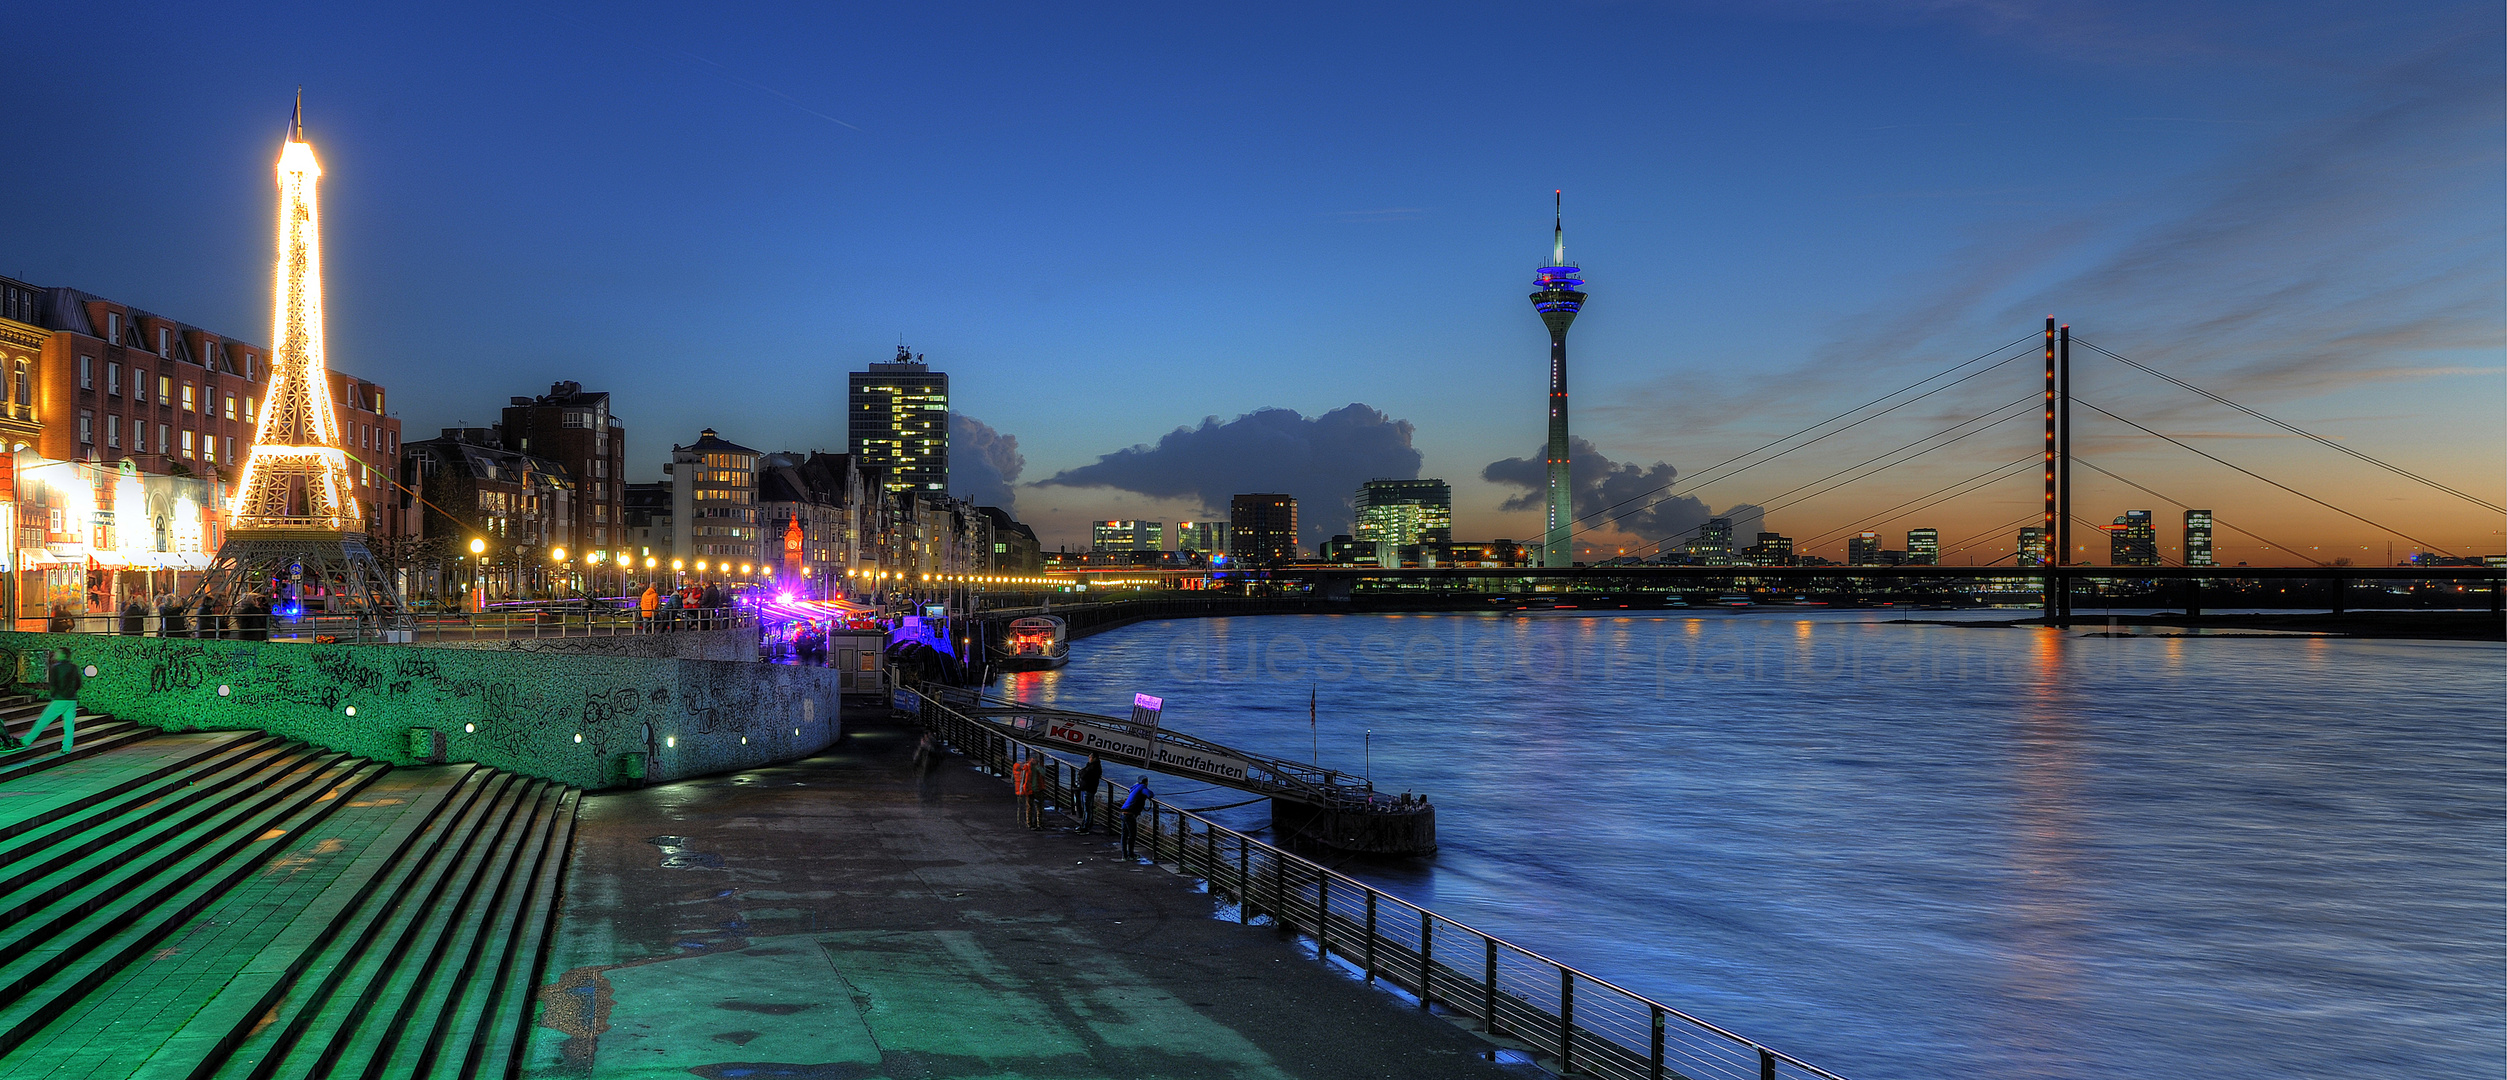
column 1921, row 850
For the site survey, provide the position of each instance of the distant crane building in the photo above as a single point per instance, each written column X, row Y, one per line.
column 1558, row 299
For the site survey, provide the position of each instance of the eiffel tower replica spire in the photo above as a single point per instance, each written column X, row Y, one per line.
column 296, row 535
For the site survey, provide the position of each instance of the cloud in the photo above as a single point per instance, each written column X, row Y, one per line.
column 1319, row 460
column 983, row 464
column 1616, row 499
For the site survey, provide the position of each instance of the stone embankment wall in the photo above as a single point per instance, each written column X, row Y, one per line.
column 570, row 718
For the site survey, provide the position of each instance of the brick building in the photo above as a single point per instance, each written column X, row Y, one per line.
column 573, row 427
column 117, row 382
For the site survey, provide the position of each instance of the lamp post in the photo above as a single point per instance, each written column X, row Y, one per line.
column 478, row 571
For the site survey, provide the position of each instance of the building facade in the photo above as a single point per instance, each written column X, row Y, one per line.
column 1203, row 538
column 713, row 503
column 2030, row 549
column 2133, row 540
column 2198, row 539
column 1923, row 547
column 1127, row 536
column 1772, row 549
column 1404, row 512
column 1863, row 550
column 1262, row 529
column 897, row 421
column 574, row 428
column 517, row 510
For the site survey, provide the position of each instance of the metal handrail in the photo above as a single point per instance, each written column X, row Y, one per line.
column 1261, row 877
column 562, row 619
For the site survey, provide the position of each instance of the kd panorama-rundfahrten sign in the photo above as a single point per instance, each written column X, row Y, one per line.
column 1163, row 758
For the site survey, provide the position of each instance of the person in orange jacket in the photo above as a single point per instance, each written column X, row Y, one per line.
column 649, row 605
column 1023, row 784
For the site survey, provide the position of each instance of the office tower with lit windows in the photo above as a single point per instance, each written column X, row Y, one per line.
column 1127, row 536
column 2133, row 540
column 1923, row 547
column 1404, row 512
column 1263, row 529
column 1558, row 298
column 1202, row 537
column 2198, row 538
column 2031, row 548
column 1863, row 550
column 897, row 421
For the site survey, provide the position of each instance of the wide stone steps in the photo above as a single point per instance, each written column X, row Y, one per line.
column 230, row 904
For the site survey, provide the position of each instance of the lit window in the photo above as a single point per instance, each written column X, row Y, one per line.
column 187, row 397
column 187, row 444
column 230, row 406
column 208, row 449
column 165, row 388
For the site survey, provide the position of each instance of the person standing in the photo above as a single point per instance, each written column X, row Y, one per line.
column 1023, row 784
column 1091, row 774
column 648, row 605
column 1135, row 801
column 713, row 602
column 63, row 680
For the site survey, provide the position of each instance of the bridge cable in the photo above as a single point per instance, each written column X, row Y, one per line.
column 2181, row 505
column 2296, row 430
column 2275, row 483
column 1603, row 513
column 1901, row 509
column 1972, row 541
column 1774, row 504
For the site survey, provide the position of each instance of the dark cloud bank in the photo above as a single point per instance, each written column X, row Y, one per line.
column 983, row 464
column 1321, row 460
column 1624, row 495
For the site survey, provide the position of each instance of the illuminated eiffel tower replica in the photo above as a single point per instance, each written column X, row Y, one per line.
column 296, row 535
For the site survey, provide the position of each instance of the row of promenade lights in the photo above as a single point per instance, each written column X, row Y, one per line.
column 924, row 584
column 862, row 578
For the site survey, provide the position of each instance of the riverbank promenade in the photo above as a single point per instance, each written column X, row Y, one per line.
column 844, row 916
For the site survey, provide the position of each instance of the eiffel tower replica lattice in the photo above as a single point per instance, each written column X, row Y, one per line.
column 296, row 534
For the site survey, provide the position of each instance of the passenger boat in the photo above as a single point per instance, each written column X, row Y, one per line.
column 1035, row 643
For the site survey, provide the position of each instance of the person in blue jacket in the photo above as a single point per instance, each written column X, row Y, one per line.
column 1134, row 801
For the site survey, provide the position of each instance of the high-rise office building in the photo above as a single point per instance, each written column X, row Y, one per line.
column 1404, row 512
column 1127, row 536
column 1923, row 547
column 1772, row 549
column 2198, row 538
column 1262, row 528
column 1863, row 550
column 2032, row 546
column 1202, row 537
column 2133, row 540
column 897, row 420
column 1558, row 299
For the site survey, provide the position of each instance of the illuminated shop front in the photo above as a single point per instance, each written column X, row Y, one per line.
column 92, row 537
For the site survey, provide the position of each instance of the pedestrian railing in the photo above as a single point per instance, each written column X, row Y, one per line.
column 1567, row 1020
column 559, row 619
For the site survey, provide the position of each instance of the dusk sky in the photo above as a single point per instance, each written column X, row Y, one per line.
column 1175, row 252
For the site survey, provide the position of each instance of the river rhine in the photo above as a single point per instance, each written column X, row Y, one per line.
column 1904, row 851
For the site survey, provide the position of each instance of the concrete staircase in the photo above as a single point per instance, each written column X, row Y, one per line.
column 231, row 904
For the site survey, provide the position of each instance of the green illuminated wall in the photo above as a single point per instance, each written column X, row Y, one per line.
column 570, row 718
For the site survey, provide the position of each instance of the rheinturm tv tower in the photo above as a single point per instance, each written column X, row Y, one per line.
column 296, row 536
column 1558, row 301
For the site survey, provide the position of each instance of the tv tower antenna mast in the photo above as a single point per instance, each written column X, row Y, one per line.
column 1558, row 301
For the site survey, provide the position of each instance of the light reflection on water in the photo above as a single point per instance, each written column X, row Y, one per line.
column 1920, row 851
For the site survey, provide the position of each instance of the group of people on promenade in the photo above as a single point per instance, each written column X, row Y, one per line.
column 693, row 607
column 168, row 615
column 1032, row 775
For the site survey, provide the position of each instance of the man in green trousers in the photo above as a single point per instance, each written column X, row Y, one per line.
column 64, row 680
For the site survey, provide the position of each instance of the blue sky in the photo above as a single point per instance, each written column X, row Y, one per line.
column 1108, row 223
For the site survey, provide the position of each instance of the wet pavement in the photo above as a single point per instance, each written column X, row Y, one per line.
column 842, row 917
